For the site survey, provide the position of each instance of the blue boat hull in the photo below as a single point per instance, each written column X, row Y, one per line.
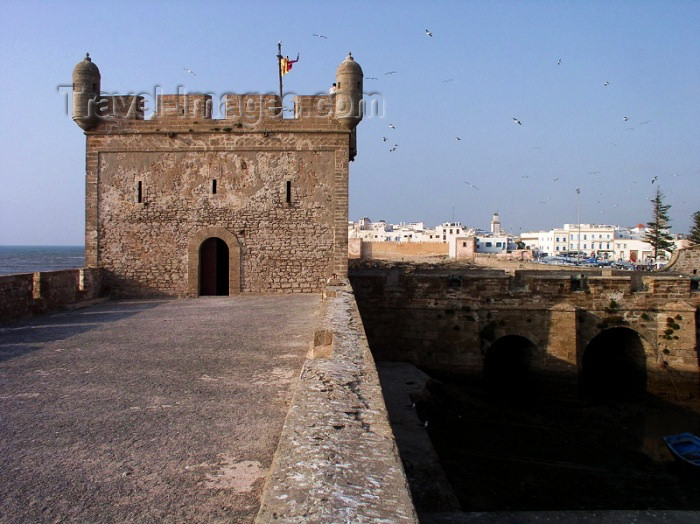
column 685, row 448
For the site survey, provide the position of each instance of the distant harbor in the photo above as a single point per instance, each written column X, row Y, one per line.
column 28, row 259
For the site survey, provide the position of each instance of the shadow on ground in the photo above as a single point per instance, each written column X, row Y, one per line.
column 24, row 336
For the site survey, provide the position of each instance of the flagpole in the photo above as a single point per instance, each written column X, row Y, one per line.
column 279, row 68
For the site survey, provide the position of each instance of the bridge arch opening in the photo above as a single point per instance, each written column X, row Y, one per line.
column 213, row 267
column 613, row 366
column 508, row 367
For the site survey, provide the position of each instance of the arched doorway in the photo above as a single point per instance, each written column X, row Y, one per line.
column 508, row 367
column 194, row 263
column 213, row 267
column 613, row 366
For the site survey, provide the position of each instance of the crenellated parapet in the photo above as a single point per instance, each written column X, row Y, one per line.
column 249, row 108
column 127, row 107
column 185, row 106
column 95, row 111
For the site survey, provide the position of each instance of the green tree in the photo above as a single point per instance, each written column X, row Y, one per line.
column 657, row 230
column 694, row 235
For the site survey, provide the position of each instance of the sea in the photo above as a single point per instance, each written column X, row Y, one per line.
column 28, row 259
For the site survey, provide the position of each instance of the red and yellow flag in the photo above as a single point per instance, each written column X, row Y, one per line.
column 286, row 64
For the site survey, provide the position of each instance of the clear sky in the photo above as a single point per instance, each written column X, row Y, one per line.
column 545, row 63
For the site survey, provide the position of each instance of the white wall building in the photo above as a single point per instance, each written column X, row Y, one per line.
column 380, row 231
column 602, row 241
column 494, row 244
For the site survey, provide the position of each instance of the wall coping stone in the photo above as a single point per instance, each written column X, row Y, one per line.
column 337, row 460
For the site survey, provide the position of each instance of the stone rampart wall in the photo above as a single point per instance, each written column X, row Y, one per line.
column 446, row 319
column 401, row 250
column 337, row 459
column 685, row 261
column 28, row 294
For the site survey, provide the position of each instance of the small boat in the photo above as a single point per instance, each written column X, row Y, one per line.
column 685, row 448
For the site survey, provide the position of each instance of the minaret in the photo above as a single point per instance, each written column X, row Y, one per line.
column 496, row 225
column 86, row 93
column 348, row 98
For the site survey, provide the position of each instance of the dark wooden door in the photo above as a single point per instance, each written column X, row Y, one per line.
column 213, row 267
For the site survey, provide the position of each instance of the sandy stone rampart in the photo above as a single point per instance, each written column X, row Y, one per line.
column 337, row 459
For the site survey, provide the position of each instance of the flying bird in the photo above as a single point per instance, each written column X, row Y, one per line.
column 517, row 121
column 428, row 33
column 319, row 36
column 559, row 62
column 370, row 78
column 458, row 138
column 189, row 71
column 391, row 72
column 471, row 185
column 606, row 83
column 555, row 179
column 392, row 149
column 392, row 126
column 625, row 118
column 645, row 122
column 654, row 179
column 448, row 80
column 384, row 138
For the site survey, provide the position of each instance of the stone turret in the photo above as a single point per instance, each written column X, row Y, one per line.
column 86, row 93
column 348, row 98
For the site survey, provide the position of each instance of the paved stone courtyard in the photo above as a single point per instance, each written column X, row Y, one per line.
column 147, row 411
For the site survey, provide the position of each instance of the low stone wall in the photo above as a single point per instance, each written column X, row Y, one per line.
column 337, row 459
column 28, row 294
column 399, row 250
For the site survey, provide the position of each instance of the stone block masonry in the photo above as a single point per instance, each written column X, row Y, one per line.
column 277, row 202
column 449, row 319
column 28, row 294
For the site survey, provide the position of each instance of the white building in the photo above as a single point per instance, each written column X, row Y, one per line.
column 380, row 231
column 370, row 231
column 602, row 241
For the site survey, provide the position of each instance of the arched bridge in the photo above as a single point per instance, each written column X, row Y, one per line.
column 612, row 333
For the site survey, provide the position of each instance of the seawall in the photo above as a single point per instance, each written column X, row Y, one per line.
column 26, row 294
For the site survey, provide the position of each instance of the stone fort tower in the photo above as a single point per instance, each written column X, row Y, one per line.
column 183, row 204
